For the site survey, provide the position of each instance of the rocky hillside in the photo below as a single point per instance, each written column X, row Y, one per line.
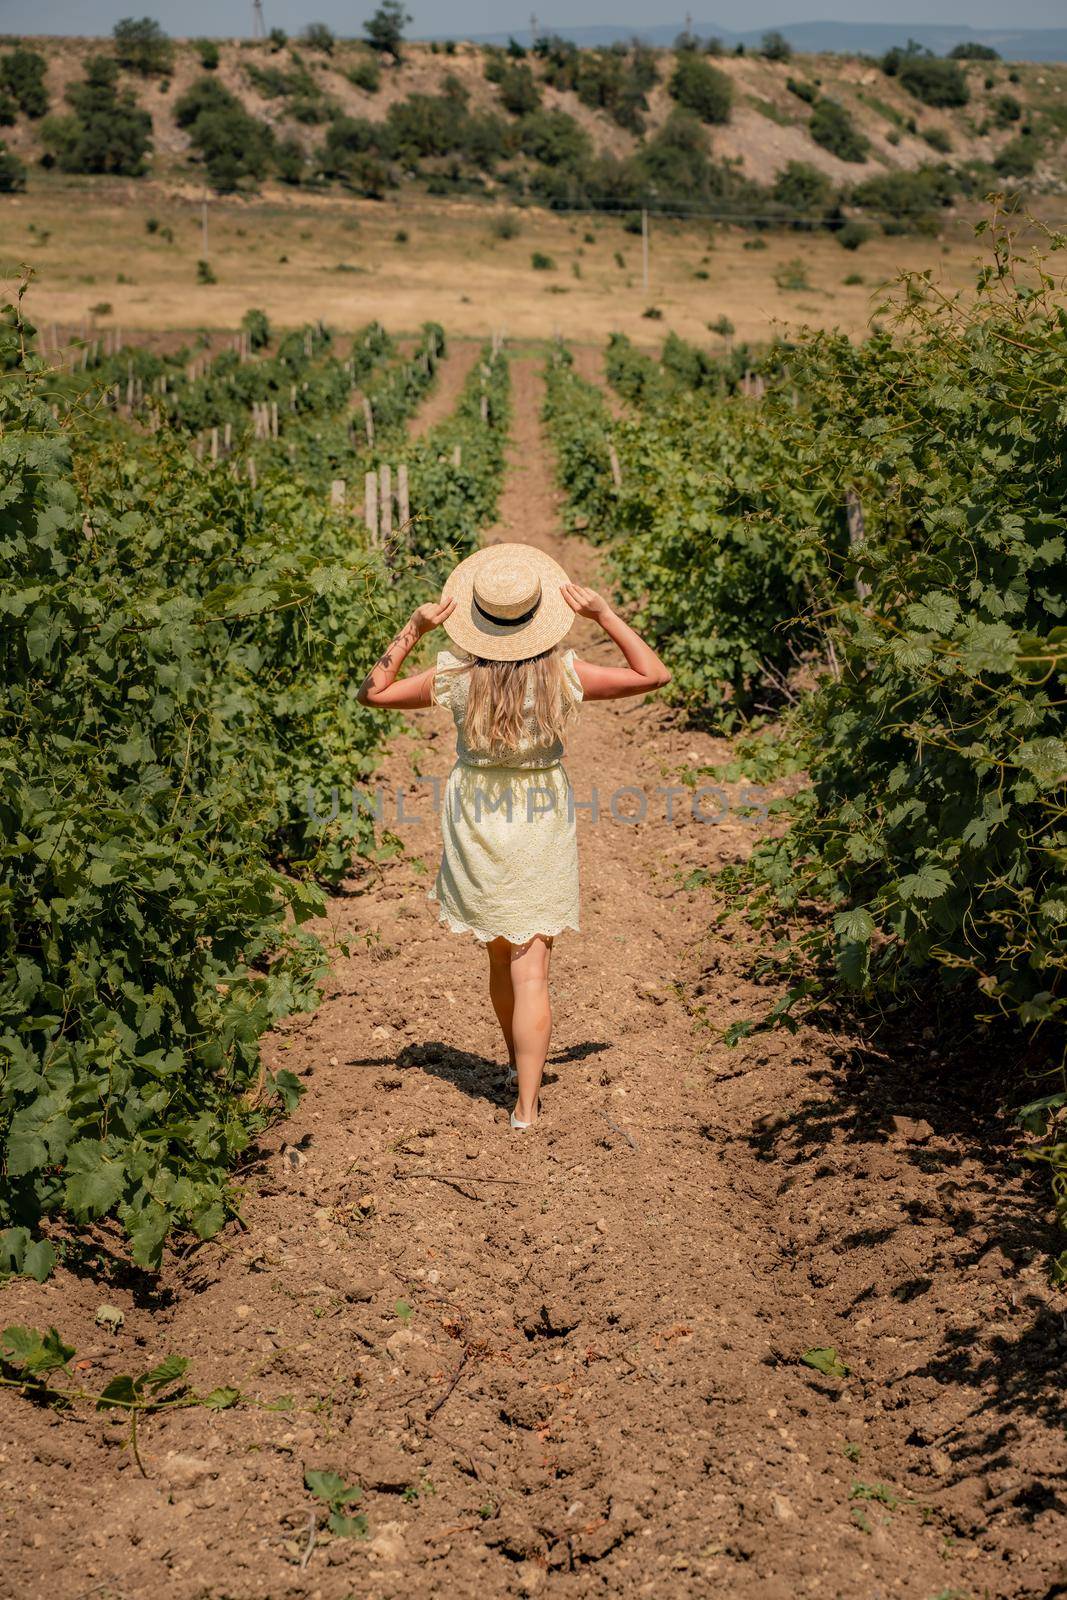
column 608, row 126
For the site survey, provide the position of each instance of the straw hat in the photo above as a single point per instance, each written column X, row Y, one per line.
column 508, row 603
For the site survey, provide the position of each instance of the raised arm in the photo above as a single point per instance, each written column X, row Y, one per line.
column 643, row 672
column 381, row 688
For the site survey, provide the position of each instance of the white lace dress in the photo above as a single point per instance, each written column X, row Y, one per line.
column 509, row 862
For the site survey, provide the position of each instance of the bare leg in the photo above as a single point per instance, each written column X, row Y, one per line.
column 500, row 991
column 531, row 1020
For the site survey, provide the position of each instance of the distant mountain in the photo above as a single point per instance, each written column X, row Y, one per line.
column 845, row 38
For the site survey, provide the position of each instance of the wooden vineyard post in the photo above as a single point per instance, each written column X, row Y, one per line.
column 457, row 455
column 227, row 438
column 274, row 419
column 403, row 507
column 613, row 462
column 385, row 502
column 252, row 471
column 337, row 492
column 370, row 505
column 368, row 422
column 214, row 444
column 856, row 531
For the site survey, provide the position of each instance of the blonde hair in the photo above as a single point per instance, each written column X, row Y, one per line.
column 506, row 700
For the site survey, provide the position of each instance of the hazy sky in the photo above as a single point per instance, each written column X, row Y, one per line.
column 457, row 17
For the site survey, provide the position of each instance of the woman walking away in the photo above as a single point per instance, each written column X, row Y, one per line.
column 509, row 867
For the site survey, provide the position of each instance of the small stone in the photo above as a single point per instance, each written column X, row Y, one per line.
column 380, row 1033
column 782, row 1508
column 914, row 1129
column 388, row 1543
column 601, row 1225
column 185, row 1472
column 242, row 1313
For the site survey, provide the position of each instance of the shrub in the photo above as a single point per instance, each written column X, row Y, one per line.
column 938, row 139
column 12, row 172
column 722, row 326
column 385, row 29
column 8, row 110
column 22, row 77
column 317, row 36
column 793, row 275
column 208, row 51
column 832, row 127
column 702, row 89
column 143, row 47
column 518, row 90
column 615, row 79
column 803, row 91
column 852, row 278
column 277, row 39
column 555, row 139
column 653, row 313
column 906, row 199
column 366, row 73
column 205, row 273
column 973, row 51
column 1019, row 157
column 425, row 125
column 542, row 263
column 231, row 143
column 290, row 161
column 776, row 47
column 1006, row 110
column 932, row 79
column 803, row 190
column 107, row 131
column 850, row 236
column 257, row 325
column 352, row 152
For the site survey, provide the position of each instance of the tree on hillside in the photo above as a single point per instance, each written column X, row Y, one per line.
column 142, row 46
column 385, row 30
column 776, row 47
column 803, row 190
column 701, row 88
column 22, row 77
column 833, row 128
column 230, row 142
column 973, row 51
column 12, row 172
column 107, row 131
column 317, row 36
column 932, row 79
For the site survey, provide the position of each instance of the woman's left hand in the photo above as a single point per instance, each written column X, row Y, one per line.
column 431, row 615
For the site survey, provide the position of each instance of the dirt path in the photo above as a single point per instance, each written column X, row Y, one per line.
column 451, row 376
column 569, row 1363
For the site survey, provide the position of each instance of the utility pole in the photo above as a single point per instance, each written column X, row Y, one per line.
column 203, row 227
column 259, row 27
column 644, row 245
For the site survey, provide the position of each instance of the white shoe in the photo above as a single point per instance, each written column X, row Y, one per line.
column 521, row 1126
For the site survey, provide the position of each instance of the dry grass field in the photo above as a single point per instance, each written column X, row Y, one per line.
column 412, row 258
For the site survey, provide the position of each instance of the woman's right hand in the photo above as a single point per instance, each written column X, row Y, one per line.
column 430, row 616
column 586, row 602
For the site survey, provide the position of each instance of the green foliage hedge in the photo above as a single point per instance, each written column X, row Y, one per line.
column 181, row 653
